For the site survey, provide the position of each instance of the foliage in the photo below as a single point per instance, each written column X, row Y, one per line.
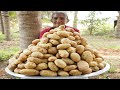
column 95, row 25
column 7, row 53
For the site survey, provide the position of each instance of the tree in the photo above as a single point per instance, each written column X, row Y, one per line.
column 117, row 34
column 93, row 23
column 75, row 19
column 29, row 27
column 5, row 17
column 1, row 24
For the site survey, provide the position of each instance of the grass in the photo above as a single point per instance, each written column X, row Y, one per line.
column 7, row 53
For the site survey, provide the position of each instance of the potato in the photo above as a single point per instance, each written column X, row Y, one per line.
column 52, row 50
column 76, row 33
column 48, row 73
column 63, row 73
column 17, row 70
column 30, row 65
column 58, row 56
column 73, row 44
column 35, row 41
column 78, row 42
column 71, row 38
column 27, row 52
column 44, row 40
column 21, row 66
column 71, row 50
column 68, row 61
column 77, row 37
column 93, row 63
column 65, row 41
column 11, row 67
column 101, row 65
column 98, row 60
column 60, row 63
column 53, row 36
column 94, row 68
column 87, row 71
column 22, row 57
column 80, row 49
column 75, row 57
column 30, row 72
column 82, row 65
column 84, row 41
column 45, row 34
column 70, row 67
column 37, row 55
column 75, row 72
column 63, row 33
column 54, row 42
column 45, row 46
column 63, row 53
column 52, row 58
column 89, row 49
column 87, row 56
column 52, row 66
column 41, row 66
column 37, row 60
column 63, row 46
column 46, row 56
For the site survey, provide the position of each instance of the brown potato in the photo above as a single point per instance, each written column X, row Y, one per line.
column 75, row 72
column 54, row 42
column 93, row 63
column 63, row 33
column 70, row 67
column 94, row 68
column 63, row 53
column 101, row 65
column 58, row 56
column 37, row 55
column 27, row 52
column 98, row 60
column 68, row 61
column 48, row 73
column 65, row 41
column 71, row 50
column 52, row 50
column 52, row 66
column 60, row 63
column 80, row 49
column 17, row 70
column 44, row 40
column 63, row 73
column 87, row 71
column 30, row 72
column 52, row 58
column 22, row 57
column 21, row 66
column 84, row 41
column 71, row 38
column 73, row 44
column 53, row 36
column 63, row 46
column 11, row 67
column 41, row 66
column 82, row 65
column 30, row 65
column 75, row 57
column 37, row 60
column 35, row 41
column 47, row 55
column 87, row 56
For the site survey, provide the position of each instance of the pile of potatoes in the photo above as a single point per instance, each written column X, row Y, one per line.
column 60, row 52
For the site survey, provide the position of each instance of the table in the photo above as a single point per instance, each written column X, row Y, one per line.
column 86, row 76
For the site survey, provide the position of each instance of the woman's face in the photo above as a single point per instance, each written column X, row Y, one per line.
column 59, row 19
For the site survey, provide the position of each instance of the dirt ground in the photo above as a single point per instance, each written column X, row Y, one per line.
column 110, row 55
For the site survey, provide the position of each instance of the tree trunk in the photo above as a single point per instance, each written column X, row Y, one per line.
column 29, row 27
column 1, row 24
column 118, row 27
column 75, row 19
column 5, row 16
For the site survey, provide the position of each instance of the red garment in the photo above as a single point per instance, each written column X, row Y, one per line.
column 49, row 28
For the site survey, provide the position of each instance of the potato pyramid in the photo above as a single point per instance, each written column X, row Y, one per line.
column 60, row 52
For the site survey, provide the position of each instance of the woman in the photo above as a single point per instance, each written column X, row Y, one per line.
column 58, row 18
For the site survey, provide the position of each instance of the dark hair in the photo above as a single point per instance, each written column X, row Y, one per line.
column 61, row 13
